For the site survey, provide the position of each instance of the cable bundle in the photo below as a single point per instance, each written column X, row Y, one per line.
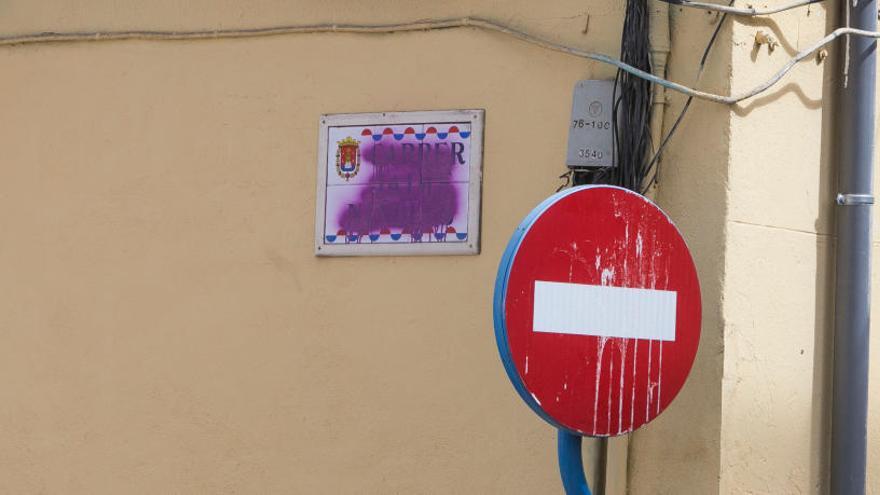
column 632, row 99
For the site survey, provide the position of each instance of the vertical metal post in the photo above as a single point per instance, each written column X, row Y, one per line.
column 855, row 119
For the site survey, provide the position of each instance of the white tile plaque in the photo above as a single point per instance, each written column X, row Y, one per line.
column 404, row 183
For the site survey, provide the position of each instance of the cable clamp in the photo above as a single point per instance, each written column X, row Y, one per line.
column 855, row 199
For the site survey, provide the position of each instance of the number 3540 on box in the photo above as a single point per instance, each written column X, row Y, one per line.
column 590, row 138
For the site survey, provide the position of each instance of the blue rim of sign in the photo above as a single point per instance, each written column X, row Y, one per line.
column 500, row 297
column 500, row 301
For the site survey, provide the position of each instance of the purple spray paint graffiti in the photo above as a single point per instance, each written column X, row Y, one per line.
column 413, row 187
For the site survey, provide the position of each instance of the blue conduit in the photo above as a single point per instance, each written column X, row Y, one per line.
column 571, row 464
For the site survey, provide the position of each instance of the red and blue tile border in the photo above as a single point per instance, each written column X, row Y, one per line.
column 386, row 236
column 410, row 132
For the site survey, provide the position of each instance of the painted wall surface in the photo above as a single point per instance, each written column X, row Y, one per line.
column 679, row 452
column 779, row 270
column 164, row 324
column 166, row 328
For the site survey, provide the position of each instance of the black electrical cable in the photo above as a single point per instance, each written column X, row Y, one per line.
column 631, row 108
column 653, row 164
column 633, row 100
column 631, row 176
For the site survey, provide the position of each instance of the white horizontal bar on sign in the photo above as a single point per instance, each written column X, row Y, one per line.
column 602, row 311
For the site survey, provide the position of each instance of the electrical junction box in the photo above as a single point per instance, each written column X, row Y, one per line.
column 590, row 138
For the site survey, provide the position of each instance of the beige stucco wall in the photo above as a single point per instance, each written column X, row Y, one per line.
column 165, row 328
column 778, row 296
column 164, row 325
column 679, row 452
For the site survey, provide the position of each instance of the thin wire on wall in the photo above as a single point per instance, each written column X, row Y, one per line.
column 749, row 11
column 653, row 166
column 476, row 22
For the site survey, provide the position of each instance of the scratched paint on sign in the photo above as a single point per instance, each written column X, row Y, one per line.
column 399, row 184
column 602, row 312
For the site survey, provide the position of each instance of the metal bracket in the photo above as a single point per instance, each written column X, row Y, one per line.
column 855, row 199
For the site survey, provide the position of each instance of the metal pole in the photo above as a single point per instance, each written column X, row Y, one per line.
column 852, row 290
column 571, row 464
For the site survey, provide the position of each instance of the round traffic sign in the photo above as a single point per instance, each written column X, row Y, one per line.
column 597, row 310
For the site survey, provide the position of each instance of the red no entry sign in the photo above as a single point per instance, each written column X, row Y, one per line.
column 597, row 310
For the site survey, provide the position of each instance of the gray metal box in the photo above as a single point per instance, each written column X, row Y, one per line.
column 590, row 139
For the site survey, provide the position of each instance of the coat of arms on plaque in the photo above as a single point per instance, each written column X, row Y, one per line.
column 348, row 158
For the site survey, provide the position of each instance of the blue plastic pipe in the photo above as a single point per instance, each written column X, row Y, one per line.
column 571, row 464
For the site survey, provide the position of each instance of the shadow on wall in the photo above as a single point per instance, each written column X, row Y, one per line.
column 778, row 35
column 825, row 268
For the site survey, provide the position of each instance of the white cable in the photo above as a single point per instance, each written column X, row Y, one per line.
column 476, row 22
column 797, row 58
column 748, row 11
